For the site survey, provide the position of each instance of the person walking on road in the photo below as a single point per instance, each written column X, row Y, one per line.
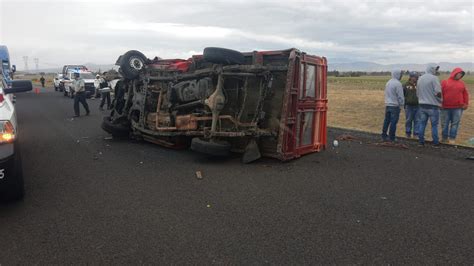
column 104, row 89
column 411, row 106
column 429, row 99
column 394, row 99
column 455, row 101
column 42, row 80
column 80, row 95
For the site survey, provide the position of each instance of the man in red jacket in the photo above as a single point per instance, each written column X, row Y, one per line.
column 455, row 100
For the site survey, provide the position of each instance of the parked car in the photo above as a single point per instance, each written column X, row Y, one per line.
column 88, row 80
column 57, row 81
column 270, row 103
column 11, row 174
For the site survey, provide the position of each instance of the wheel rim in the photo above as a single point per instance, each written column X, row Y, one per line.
column 136, row 63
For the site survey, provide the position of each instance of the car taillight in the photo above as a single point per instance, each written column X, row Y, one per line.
column 7, row 133
column 2, row 98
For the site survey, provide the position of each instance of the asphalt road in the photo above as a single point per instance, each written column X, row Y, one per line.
column 94, row 200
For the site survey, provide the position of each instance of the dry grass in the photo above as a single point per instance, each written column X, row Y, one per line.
column 358, row 103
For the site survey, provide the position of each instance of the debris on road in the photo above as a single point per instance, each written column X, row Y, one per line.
column 391, row 144
column 199, row 175
column 346, row 137
column 335, row 143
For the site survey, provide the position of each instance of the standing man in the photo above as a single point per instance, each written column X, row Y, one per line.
column 104, row 91
column 42, row 80
column 429, row 98
column 455, row 100
column 394, row 99
column 80, row 95
column 411, row 105
column 96, row 86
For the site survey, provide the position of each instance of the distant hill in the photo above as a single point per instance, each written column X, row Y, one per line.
column 336, row 64
column 374, row 67
column 91, row 66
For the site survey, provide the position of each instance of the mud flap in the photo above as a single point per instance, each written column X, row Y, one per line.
column 252, row 152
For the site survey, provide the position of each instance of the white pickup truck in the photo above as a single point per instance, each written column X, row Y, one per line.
column 57, row 81
column 88, row 80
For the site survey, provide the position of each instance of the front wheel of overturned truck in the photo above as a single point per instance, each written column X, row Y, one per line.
column 118, row 128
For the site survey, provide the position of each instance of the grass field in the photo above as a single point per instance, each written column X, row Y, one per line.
column 358, row 103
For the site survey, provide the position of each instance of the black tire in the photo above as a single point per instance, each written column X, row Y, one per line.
column 131, row 63
column 223, row 56
column 118, row 129
column 219, row 149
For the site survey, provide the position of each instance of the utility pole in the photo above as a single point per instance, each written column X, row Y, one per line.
column 36, row 63
column 25, row 60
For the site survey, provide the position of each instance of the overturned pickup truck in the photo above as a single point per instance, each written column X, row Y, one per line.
column 270, row 103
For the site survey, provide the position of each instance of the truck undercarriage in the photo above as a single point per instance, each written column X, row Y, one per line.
column 217, row 102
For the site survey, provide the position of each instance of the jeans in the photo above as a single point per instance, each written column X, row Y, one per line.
column 450, row 119
column 392, row 114
column 80, row 97
column 105, row 96
column 426, row 112
column 411, row 115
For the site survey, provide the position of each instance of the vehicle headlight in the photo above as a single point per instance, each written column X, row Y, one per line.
column 7, row 132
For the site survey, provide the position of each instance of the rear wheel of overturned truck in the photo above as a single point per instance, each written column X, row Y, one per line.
column 217, row 148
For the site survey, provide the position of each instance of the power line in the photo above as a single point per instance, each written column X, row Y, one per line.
column 25, row 60
column 36, row 63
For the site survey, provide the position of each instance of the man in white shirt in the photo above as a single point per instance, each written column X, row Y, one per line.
column 80, row 95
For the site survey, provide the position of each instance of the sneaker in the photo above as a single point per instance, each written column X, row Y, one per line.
column 436, row 145
column 408, row 136
column 452, row 142
column 88, row 113
column 75, row 115
column 421, row 144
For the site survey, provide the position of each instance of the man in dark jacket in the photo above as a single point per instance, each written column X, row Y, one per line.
column 455, row 100
column 411, row 105
column 104, row 90
column 42, row 80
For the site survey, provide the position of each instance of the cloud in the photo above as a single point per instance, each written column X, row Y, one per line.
column 363, row 30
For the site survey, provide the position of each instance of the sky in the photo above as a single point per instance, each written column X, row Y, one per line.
column 381, row 31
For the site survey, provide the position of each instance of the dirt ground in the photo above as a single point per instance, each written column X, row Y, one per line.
column 358, row 103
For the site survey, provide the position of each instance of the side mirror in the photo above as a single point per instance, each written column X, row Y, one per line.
column 13, row 69
column 19, row 86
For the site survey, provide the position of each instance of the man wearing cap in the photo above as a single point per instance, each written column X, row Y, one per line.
column 79, row 95
column 429, row 98
column 455, row 101
column 411, row 106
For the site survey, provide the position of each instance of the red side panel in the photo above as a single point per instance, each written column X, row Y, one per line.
column 304, row 125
